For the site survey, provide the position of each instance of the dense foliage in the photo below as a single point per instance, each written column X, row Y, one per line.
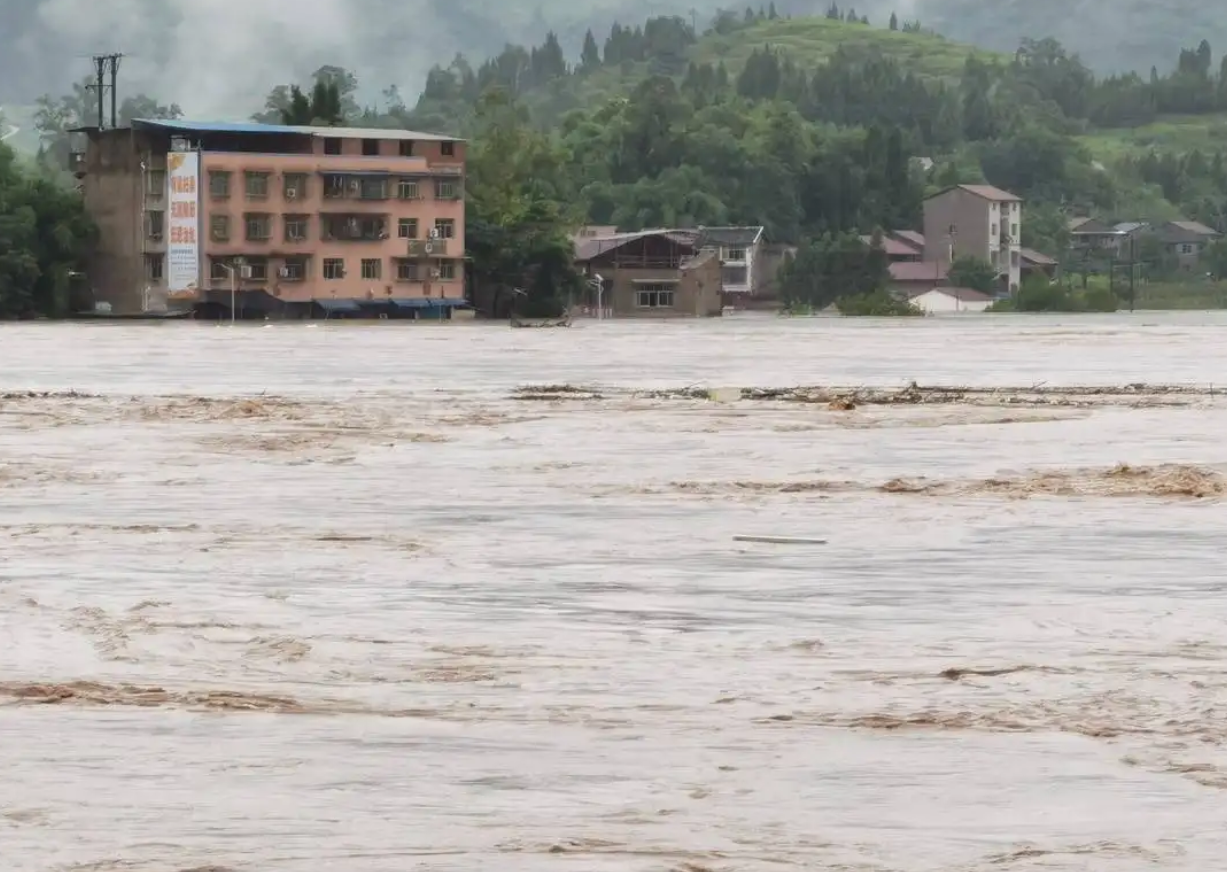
column 44, row 238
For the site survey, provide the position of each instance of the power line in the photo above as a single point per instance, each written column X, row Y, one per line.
column 104, row 65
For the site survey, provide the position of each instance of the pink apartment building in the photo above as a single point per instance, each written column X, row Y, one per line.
column 284, row 221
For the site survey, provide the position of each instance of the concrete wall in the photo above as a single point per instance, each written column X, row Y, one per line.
column 122, row 198
column 934, row 302
column 696, row 290
column 979, row 225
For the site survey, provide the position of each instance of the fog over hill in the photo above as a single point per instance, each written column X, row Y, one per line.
column 218, row 57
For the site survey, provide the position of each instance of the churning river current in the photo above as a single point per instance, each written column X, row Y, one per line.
column 458, row 597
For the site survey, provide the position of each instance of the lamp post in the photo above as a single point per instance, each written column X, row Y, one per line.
column 235, row 269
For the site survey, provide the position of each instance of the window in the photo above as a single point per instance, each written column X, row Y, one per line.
column 407, row 228
column 257, row 185
column 332, row 146
column 370, row 147
column 446, row 228
column 294, row 269
column 218, row 271
column 447, row 270
column 447, row 189
column 734, row 254
column 406, row 271
column 296, row 227
column 295, row 186
column 255, row 270
column 993, row 231
column 654, row 295
column 1014, row 259
column 219, row 185
column 373, row 189
column 407, row 189
column 155, row 265
column 734, row 275
column 259, row 227
column 219, row 228
column 447, row 149
column 372, row 268
column 1014, row 231
column 353, row 227
column 1185, row 248
column 334, row 267
column 406, row 147
column 155, row 186
column 156, row 224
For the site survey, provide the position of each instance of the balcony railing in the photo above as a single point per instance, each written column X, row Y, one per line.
column 428, row 247
column 353, row 230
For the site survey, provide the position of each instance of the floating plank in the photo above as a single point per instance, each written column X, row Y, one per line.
column 780, row 540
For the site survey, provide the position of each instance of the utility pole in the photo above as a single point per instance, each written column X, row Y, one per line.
column 104, row 65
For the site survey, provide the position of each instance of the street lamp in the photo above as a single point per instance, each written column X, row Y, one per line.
column 236, row 269
column 598, row 284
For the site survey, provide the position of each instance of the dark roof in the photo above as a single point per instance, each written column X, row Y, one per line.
column 894, row 247
column 588, row 248
column 988, row 192
column 914, row 237
column 1033, row 256
column 1090, row 226
column 1195, row 227
column 919, row 271
column 1175, row 232
column 252, row 128
column 727, row 236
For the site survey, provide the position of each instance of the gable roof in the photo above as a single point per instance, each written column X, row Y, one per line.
column 894, row 247
column 1032, row 256
column 1090, row 226
column 1195, row 227
column 728, row 236
column 911, row 237
column 588, row 248
column 919, row 271
column 1130, row 226
column 987, row 192
column 963, row 295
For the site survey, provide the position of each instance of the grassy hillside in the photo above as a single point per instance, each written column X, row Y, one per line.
column 811, row 40
column 1179, row 133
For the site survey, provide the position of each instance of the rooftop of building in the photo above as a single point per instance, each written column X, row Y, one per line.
column 253, row 128
column 987, row 192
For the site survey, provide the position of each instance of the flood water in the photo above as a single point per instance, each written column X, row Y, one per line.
column 337, row 597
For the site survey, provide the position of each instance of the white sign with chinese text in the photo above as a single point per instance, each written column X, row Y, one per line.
column 183, row 222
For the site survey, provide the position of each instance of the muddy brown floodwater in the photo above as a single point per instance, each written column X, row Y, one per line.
column 378, row 598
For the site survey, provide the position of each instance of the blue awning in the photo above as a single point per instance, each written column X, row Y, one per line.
column 430, row 302
column 338, row 305
column 452, row 303
column 412, row 303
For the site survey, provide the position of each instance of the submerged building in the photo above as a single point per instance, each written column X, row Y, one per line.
column 270, row 220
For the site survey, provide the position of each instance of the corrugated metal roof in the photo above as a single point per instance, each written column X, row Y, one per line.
column 1195, row 227
column 253, row 128
column 590, row 247
column 894, row 247
column 726, row 236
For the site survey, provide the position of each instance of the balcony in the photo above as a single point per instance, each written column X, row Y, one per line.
column 357, row 186
column 352, row 228
column 419, row 248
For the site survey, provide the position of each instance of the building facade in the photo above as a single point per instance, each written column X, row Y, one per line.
column 738, row 248
column 978, row 221
column 273, row 219
column 652, row 274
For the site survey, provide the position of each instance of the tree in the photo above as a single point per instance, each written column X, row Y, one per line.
column 590, row 57
column 974, row 273
column 894, row 21
column 518, row 214
column 45, row 237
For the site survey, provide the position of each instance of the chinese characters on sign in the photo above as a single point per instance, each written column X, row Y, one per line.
column 183, row 222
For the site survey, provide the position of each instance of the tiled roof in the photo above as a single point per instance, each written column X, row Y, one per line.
column 1030, row 254
column 726, row 236
column 590, row 247
column 915, row 237
column 1195, row 227
column 893, row 247
column 988, row 192
column 251, row 127
column 919, row 271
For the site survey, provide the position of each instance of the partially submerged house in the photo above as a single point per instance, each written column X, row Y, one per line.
column 652, row 274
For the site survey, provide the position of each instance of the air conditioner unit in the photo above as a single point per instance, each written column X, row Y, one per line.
column 284, row 272
column 291, row 194
column 428, row 248
column 434, row 233
column 434, row 274
column 245, row 272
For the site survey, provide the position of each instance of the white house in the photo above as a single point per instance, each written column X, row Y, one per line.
column 940, row 301
column 739, row 248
